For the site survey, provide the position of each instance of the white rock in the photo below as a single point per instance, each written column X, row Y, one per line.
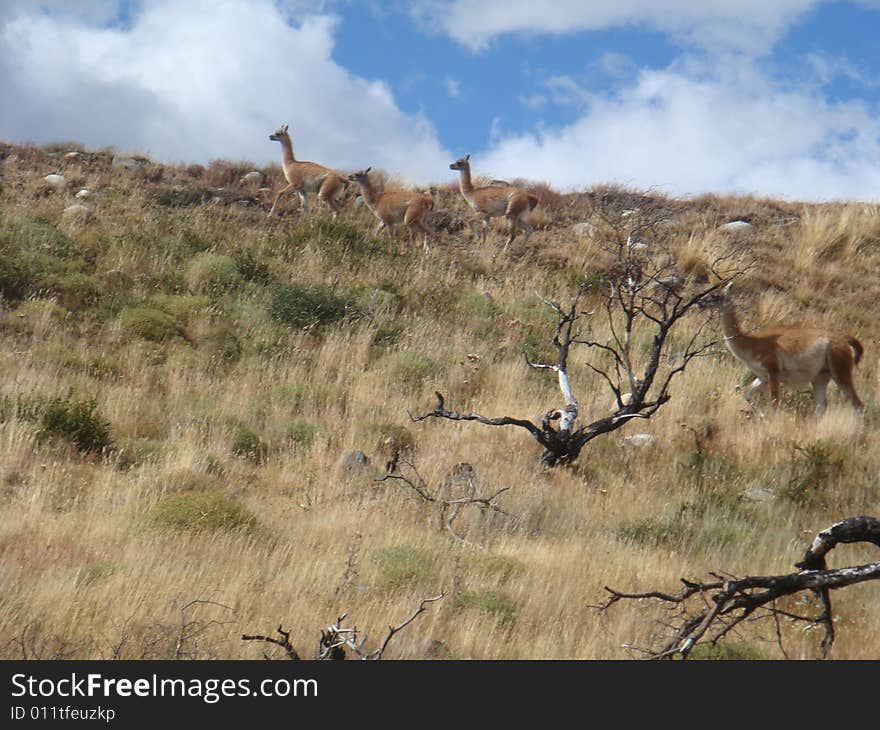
column 736, row 227
column 253, row 178
column 584, row 229
column 759, row 494
column 129, row 162
column 56, row 181
column 72, row 155
column 83, row 194
column 640, row 439
column 77, row 213
column 625, row 398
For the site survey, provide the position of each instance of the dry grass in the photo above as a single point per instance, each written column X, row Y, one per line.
column 88, row 570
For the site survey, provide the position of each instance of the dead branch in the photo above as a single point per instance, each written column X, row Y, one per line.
column 643, row 298
column 336, row 641
column 283, row 642
column 726, row 602
column 449, row 508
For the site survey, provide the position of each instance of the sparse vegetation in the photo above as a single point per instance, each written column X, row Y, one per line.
column 219, row 364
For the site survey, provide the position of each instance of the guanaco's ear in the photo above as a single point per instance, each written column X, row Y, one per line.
column 368, row 169
column 467, row 157
column 284, row 128
column 727, row 289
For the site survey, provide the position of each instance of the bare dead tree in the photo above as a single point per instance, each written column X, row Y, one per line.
column 707, row 611
column 449, row 507
column 337, row 642
column 643, row 298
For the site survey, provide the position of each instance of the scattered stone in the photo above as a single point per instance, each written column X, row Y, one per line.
column 55, row 180
column 353, row 463
column 130, row 162
column 640, row 439
column 759, row 494
column 77, row 213
column 736, row 227
column 71, row 156
column 83, row 194
column 253, row 179
column 672, row 282
column 625, row 398
column 584, row 229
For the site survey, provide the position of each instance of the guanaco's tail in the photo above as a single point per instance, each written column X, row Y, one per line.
column 857, row 348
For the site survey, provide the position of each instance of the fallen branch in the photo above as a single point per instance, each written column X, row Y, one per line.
column 726, row 602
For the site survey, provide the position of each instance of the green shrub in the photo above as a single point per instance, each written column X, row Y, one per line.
column 252, row 267
column 79, row 422
column 393, row 435
column 15, row 277
column 202, row 510
column 248, row 444
column 211, row 273
column 74, row 290
column 479, row 305
column 148, row 323
column 492, row 603
column 403, row 565
column 303, row 306
column 180, row 306
column 38, row 234
column 131, row 451
column 813, row 468
column 301, row 434
column 409, row 368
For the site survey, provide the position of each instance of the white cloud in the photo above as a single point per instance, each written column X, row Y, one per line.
column 742, row 25
column 201, row 80
column 452, row 87
column 734, row 130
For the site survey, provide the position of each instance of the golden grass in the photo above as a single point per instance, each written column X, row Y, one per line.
column 86, row 571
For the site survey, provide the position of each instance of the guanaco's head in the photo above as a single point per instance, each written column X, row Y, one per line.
column 279, row 133
column 360, row 177
column 719, row 299
column 462, row 163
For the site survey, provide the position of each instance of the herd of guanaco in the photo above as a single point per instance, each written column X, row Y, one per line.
column 783, row 354
column 401, row 206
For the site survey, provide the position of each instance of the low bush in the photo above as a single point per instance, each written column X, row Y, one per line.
column 404, row 565
column 211, row 273
column 202, row 510
column 148, row 323
column 305, row 306
column 246, row 443
column 79, row 422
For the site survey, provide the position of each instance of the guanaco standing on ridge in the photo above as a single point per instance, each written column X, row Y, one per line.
column 396, row 206
column 495, row 200
column 307, row 177
column 796, row 356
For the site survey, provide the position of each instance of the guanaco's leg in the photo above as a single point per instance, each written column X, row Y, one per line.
column 285, row 189
column 820, row 384
column 841, row 365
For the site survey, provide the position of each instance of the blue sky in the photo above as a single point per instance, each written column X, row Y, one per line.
column 767, row 97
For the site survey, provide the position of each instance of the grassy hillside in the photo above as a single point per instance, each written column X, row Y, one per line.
column 181, row 377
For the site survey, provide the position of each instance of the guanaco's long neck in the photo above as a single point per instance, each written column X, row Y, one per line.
column 464, row 181
column 730, row 325
column 287, row 150
column 368, row 194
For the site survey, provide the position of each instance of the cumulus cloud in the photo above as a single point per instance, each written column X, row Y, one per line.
column 730, row 130
column 201, row 80
column 741, row 25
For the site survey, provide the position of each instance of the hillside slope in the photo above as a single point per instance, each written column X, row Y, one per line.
column 182, row 377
